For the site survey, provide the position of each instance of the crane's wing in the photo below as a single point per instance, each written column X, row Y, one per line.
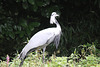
column 57, row 39
column 40, row 40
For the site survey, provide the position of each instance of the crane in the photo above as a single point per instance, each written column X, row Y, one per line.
column 42, row 39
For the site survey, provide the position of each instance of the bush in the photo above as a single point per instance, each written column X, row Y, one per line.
column 83, row 59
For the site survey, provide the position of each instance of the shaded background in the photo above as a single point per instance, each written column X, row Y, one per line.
column 20, row 19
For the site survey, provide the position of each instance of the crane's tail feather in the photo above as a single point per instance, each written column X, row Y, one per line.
column 21, row 63
column 22, row 58
column 23, row 55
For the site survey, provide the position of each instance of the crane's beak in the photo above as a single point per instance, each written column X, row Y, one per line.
column 57, row 15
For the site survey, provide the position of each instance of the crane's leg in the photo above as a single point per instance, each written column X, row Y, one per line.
column 43, row 54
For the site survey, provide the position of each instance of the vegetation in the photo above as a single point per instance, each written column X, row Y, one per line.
column 80, row 22
column 88, row 59
column 32, row 61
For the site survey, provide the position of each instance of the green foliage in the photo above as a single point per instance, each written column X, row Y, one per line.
column 54, row 61
column 90, row 60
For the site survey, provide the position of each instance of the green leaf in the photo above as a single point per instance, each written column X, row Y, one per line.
column 19, row 28
column 23, row 23
column 12, row 35
column 32, row 2
column 35, row 8
column 75, row 51
column 28, row 31
column 18, row 0
column 21, row 34
column 39, row 3
column 32, row 28
column 47, row 2
column 25, row 5
column 24, row 0
column 33, row 24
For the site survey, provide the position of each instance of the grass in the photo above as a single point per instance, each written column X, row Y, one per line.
column 86, row 56
column 36, row 61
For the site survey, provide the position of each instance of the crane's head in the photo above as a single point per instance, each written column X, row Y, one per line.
column 53, row 19
column 54, row 14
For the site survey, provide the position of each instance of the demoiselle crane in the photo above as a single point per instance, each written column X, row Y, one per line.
column 42, row 38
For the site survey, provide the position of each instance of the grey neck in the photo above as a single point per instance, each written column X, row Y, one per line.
column 57, row 24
